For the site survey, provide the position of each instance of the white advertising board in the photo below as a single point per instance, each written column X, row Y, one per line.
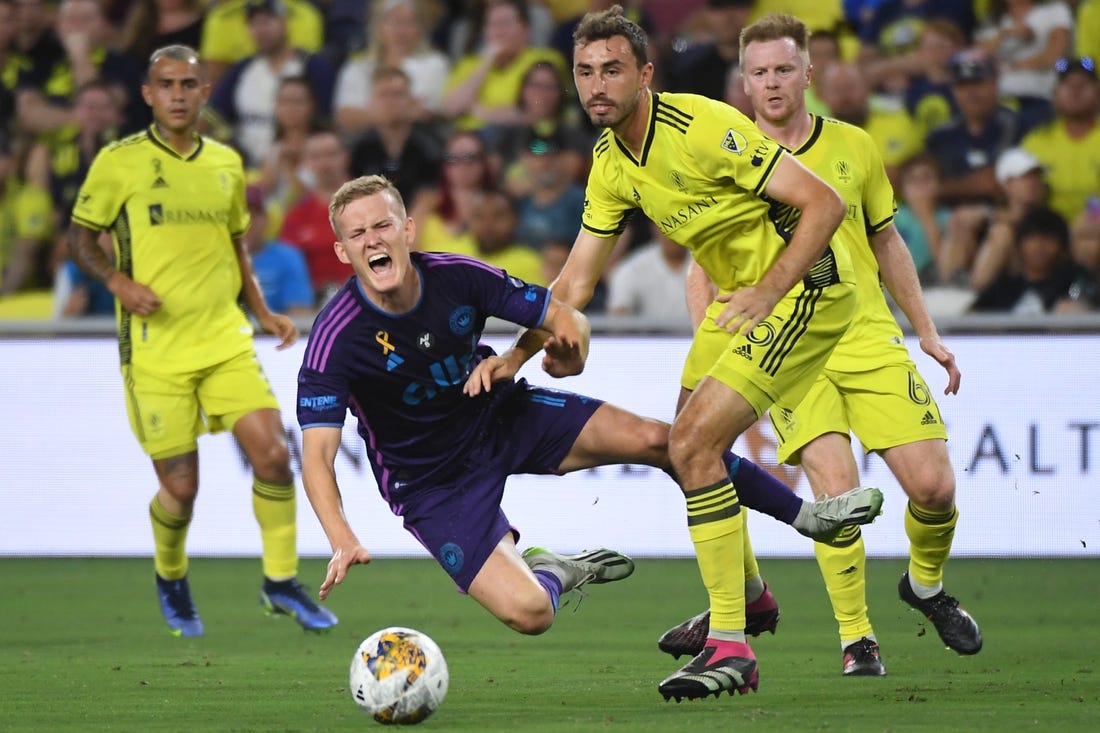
column 1025, row 442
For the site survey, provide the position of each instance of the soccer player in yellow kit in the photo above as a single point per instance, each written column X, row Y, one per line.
column 174, row 203
column 870, row 386
column 712, row 182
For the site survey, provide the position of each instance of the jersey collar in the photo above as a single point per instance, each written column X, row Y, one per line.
column 654, row 100
column 161, row 143
column 816, row 124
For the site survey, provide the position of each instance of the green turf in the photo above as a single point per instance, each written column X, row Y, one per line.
column 84, row 648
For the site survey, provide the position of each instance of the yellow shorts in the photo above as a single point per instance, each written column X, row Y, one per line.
column 782, row 356
column 168, row 412
column 884, row 407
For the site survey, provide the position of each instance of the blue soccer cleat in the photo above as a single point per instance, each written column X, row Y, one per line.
column 179, row 612
column 289, row 598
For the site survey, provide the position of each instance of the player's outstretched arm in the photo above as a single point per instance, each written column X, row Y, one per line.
column 899, row 275
column 274, row 323
column 89, row 256
column 319, row 448
column 822, row 212
column 566, row 349
column 573, row 286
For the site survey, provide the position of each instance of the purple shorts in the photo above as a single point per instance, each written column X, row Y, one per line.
column 460, row 520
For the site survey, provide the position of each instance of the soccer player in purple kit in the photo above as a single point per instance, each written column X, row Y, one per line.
column 398, row 346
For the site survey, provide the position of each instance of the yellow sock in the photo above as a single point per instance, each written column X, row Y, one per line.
column 276, row 510
column 715, row 522
column 843, row 564
column 930, row 535
column 752, row 568
column 169, row 541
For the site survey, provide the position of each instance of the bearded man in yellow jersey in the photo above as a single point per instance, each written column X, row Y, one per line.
column 174, row 202
column 869, row 386
column 711, row 181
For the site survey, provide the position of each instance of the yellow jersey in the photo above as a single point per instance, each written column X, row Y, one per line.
column 173, row 219
column 1071, row 167
column 701, row 178
column 502, row 85
column 846, row 158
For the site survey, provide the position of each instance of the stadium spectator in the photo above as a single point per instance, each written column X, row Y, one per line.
column 1069, row 147
column 493, row 238
column 306, row 226
column 546, row 106
column 442, row 213
column 35, row 42
column 967, row 147
column 10, row 62
column 1046, row 279
column 483, row 87
column 844, row 90
column 226, row 38
column 921, row 219
column 396, row 145
column 702, row 68
column 188, row 358
column 281, row 173
column 893, row 26
column 650, row 282
column 1026, row 37
column 26, row 227
column 153, row 24
column 550, row 202
column 399, row 40
column 245, row 96
column 461, row 32
column 46, row 90
column 980, row 239
column 561, row 40
column 280, row 269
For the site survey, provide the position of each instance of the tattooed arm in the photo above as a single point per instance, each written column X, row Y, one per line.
column 90, row 257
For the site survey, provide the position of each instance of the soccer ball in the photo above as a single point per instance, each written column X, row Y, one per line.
column 398, row 675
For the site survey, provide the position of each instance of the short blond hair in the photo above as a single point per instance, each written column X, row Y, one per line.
column 775, row 27
column 359, row 188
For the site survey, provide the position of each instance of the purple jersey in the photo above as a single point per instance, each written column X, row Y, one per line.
column 402, row 374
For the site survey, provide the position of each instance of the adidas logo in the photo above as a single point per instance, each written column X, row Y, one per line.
column 928, row 419
column 744, row 350
column 160, row 183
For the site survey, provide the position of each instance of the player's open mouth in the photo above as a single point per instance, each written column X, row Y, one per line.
column 379, row 263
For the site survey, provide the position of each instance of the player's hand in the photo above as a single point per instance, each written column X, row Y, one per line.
column 136, row 298
column 935, row 348
column 491, row 369
column 281, row 326
column 745, row 308
column 562, row 356
column 338, row 566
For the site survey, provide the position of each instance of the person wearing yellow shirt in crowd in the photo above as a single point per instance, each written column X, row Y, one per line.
column 492, row 239
column 1087, row 30
column 26, row 226
column 483, row 87
column 226, row 40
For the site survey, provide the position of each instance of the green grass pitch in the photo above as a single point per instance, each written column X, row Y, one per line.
column 84, row 649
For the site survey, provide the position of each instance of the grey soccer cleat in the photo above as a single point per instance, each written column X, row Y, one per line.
column 590, row 566
column 823, row 519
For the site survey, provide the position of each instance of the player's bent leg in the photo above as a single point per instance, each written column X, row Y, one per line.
column 507, row 588
column 614, row 435
column 170, row 515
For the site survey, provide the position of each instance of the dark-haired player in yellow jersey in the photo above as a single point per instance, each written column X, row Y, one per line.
column 870, row 385
column 174, row 203
column 712, row 182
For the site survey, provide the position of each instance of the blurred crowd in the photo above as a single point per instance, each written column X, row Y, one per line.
column 985, row 112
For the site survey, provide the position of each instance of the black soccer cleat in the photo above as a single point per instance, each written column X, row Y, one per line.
column 690, row 636
column 702, row 678
column 957, row 628
column 862, row 659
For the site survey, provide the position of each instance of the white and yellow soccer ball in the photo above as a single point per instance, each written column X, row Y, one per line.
column 398, row 676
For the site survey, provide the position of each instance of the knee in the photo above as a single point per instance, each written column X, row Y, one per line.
column 181, row 488
column 272, row 462
column 934, row 490
column 532, row 617
column 684, row 444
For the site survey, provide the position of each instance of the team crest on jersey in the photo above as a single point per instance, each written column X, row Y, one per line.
column 462, row 320
column 158, row 178
column 677, row 179
column 734, row 142
column 425, row 341
column 843, row 170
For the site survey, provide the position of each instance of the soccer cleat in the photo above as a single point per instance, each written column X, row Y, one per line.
column 958, row 630
column 691, row 636
column 178, row 610
column 289, row 597
column 862, row 659
column 590, row 566
column 703, row 676
column 823, row 519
